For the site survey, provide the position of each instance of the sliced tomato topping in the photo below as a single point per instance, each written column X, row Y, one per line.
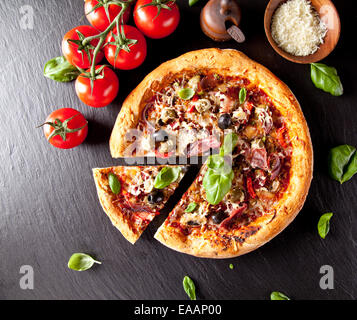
column 250, row 188
column 195, row 98
column 281, row 136
column 249, row 106
column 191, row 109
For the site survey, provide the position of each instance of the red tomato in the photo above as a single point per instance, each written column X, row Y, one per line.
column 64, row 133
column 75, row 54
column 156, row 27
column 98, row 17
column 104, row 90
column 126, row 60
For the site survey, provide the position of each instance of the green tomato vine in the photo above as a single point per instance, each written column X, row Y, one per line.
column 102, row 36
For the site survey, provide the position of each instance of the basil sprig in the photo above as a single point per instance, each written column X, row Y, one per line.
column 218, row 178
column 326, row 78
column 242, row 95
column 166, row 176
column 276, row 295
column 323, row 225
column 186, row 94
column 81, row 262
column 191, row 207
column 189, row 287
column 342, row 163
column 59, row 69
column 114, row 183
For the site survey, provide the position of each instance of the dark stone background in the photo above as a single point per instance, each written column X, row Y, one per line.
column 49, row 207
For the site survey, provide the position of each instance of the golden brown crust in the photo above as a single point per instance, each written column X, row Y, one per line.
column 113, row 212
column 229, row 62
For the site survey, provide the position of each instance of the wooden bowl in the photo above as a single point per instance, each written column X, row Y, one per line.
column 328, row 14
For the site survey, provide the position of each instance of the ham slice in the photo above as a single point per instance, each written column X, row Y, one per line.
column 257, row 158
column 203, row 145
column 275, row 165
column 234, row 214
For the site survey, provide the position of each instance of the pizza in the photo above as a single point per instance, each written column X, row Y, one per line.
column 258, row 178
column 132, row 196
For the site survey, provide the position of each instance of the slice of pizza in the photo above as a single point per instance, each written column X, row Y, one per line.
column 133, row 196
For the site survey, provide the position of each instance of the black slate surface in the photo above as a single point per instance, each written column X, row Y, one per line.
column 49, row 208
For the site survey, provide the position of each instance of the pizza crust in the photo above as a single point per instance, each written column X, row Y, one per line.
column 235, row 63
column 113, row 212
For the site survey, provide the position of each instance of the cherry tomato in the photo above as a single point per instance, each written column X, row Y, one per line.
column 126, row 60
column 76, row 54
column 104, row 90
column 98, row 18
column 66, row 128
column 154, row 26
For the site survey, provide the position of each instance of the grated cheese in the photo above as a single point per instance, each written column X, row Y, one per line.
column 297, row 28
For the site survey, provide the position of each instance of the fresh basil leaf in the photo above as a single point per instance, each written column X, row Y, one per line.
column 186, row 94
column 242, row 95
column 191, row 207
column 114, row 183
column 192, row 2
column 323, row 225
column 326, row 78
column 189, row 287
column 217, row 185
column 215, row 162
column 166, row 176
column 81, row 262
column 342, row 163
column 229, row 143
column 219, row 164
column 351, row 169
column 276, row 295
column 59, row 69
column 231, row 266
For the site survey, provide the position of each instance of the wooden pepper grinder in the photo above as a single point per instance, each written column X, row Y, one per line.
column 215, row 17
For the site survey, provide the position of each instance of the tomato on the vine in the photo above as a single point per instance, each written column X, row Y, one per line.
column 126, row 50
column 97, row 10
column 77, row 54
column 153, row 18
column 100, row 91
column 65, row 128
